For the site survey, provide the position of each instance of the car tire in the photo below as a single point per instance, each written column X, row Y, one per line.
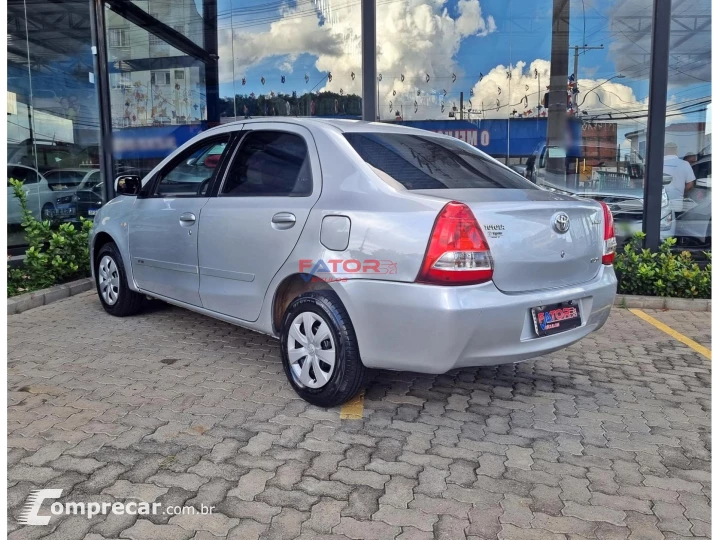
column 111, row 283
column 326, row 316
column 47, row 212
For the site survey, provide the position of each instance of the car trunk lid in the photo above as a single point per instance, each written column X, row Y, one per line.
column 528, row 249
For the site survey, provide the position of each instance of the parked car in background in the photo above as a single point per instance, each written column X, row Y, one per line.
column 622, row 191
column 359, row 245
column 627, row 207
column 694, row 221
column 85, row 192
column 42, row 198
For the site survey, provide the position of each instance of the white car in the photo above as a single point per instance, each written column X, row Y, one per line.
column 42, row 199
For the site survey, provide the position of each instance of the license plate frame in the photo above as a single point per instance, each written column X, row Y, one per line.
column 93, row 211
column 552, row 319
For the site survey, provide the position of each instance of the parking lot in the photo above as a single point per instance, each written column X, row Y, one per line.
column 609, row 438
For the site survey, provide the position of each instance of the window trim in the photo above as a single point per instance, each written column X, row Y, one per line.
column 154, row 76
column 154, row 183
column 240, row 143
column 120, row 38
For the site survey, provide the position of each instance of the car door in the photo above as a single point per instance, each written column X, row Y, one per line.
column 30, row 179
column 249, row 230
column 165, row 221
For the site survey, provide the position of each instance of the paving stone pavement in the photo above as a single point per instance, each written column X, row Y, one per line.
column 695, row 325
column 609, row 438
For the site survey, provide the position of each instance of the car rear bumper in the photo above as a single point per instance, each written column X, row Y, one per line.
column 626, row 229
column 433, row 329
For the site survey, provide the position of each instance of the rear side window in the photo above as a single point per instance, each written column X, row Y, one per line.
column 24, row 175
column 419, row 162
column 61, row 179
column 270, row 163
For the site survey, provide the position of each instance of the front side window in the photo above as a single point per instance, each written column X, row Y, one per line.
column 190, row 173
column 426, row 162
column 270, row 163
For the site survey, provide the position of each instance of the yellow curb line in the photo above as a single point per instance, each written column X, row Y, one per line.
column 676, row 335
column 353, row 409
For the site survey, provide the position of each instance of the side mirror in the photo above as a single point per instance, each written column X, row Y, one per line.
column 666, row 179
column 128, row 184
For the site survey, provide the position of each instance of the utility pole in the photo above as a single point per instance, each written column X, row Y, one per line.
column 577, row 48
column 557, row 105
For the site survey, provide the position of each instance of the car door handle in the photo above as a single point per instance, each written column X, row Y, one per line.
column 283, row 220
column 187, row 218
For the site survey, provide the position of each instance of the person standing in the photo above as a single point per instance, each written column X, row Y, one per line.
column 683, row 178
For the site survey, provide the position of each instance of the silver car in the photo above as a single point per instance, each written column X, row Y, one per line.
column 358, row 245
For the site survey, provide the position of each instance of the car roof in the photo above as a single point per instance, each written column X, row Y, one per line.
column 21, row 165
column 75, row 169
column 344, row 125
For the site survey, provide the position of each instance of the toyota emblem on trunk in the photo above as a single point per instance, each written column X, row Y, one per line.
column 561, row 222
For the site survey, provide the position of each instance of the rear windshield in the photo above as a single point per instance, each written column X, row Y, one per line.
column 426, row 162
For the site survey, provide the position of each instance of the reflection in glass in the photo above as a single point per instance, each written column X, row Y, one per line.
column 52, row 121
column 688, row 149
column 158, row 94
column 298, row 59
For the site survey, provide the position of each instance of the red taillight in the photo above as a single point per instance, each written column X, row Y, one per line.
column 458, row 253
column 610, row 242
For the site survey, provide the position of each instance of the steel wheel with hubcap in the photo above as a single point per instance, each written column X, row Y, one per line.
column 311, row 350
column 108, row 280
column 111, row 280
column 319, row 350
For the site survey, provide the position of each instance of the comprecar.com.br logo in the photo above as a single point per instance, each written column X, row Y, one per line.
column 29, row 515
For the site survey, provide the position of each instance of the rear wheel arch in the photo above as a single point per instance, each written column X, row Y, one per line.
column 319, row 350
column 290, row 288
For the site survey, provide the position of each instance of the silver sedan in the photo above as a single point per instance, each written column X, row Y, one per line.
column 360, row 246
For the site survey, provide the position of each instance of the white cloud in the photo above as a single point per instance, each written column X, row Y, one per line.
column 415, row 38
column 597, row 96
column 288, row 36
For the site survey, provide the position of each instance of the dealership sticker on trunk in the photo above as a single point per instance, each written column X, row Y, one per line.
column 555, row 318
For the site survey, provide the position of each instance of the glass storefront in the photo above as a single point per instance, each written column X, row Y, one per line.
column 556, row 90
column 52, row 114
column 289, row 61
column 158, row 94
column 688, row 131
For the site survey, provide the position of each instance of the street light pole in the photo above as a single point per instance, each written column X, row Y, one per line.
column 577, row 48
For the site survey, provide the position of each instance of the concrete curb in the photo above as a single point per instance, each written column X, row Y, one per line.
column 23, row 302
column 661, row 302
